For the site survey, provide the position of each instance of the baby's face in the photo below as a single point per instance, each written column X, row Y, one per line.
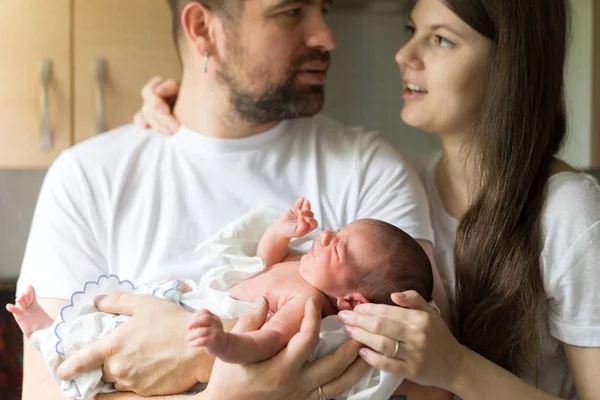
column 330, row 264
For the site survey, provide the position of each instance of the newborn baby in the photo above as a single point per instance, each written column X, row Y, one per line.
column 364, row 261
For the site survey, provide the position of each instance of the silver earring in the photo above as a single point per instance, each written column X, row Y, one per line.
column 206, row 62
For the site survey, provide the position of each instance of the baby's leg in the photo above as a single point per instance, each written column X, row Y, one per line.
column 28, row 313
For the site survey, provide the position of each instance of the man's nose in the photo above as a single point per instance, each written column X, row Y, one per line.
column 321, row 36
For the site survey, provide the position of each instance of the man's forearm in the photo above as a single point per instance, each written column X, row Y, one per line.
column 133, row 396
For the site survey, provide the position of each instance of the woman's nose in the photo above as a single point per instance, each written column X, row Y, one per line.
column 408, row 56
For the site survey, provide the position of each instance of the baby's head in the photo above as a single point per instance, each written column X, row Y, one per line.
column 366, row 261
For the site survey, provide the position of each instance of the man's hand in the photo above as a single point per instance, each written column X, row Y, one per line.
column 148, row 354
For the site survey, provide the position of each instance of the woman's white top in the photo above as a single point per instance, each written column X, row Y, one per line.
column 570, row 264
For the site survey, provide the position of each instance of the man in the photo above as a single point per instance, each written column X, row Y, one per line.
column 135, row 204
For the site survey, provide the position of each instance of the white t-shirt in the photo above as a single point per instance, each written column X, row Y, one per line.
column 570, row 263
column 136, row 204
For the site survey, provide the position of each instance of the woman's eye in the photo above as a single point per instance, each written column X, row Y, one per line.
column 442, row 41
column 410, row 30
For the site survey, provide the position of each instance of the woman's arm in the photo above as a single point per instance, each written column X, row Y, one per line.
column 429, row 354
column 584, row 363
column 479, row 378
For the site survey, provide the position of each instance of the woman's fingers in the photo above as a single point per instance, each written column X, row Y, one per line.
column 413, row 300
column 167, row 88
column 374, row 323
column 140, row 121
column 394, row 365
column 150, row 87
column 156, row 111
column 384, row 344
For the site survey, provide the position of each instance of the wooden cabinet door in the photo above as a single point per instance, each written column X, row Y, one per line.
column 32, row 31
column 134, row 38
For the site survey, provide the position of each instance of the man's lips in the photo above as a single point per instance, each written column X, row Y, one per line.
column 314, row 76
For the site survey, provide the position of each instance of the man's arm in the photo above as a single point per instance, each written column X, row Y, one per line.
column 37, row 380
column 39, row 384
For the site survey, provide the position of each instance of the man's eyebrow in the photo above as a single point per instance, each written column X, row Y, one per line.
column 284, row 3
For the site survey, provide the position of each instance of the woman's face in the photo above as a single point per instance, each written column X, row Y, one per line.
column 443, row 66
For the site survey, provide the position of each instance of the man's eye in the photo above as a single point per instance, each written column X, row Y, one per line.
column 293, row 12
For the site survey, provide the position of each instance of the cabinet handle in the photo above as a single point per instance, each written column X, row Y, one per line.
column 45, row 76
column 100, row 74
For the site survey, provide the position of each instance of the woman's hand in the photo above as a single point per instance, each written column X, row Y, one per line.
column 148, row 354
column 159, row 96
column 411, row 341
column 289, row 374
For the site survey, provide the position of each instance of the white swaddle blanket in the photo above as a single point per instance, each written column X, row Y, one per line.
column 226, row 259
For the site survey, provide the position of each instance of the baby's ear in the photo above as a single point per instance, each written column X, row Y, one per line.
column 350, row 301
column 343, row 304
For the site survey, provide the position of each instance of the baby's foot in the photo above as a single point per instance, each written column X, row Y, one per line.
column 184, row 287
column 206, row 330
column 28, row 313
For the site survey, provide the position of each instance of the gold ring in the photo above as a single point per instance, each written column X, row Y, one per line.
column 393, row 355
column 321, row 396
column 396, row 349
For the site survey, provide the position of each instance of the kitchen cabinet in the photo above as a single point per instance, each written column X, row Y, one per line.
column 133, row 40
column 35, row 82
column 74, row 68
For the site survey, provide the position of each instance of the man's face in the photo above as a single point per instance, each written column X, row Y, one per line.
column 275, row 59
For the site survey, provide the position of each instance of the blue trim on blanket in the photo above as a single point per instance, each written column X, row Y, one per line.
column 62, row 319
column 174, row 287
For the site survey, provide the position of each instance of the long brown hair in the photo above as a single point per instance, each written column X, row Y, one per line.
column 500, row 294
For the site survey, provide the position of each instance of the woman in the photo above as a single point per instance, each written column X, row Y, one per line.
column 517, row 230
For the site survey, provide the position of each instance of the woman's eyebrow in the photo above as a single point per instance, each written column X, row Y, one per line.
column 435, row 27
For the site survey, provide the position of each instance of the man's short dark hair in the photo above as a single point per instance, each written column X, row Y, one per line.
column 402, row 265
column 229, row 10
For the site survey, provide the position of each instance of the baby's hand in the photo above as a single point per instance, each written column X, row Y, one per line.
column 206, row 330
column 299, row 220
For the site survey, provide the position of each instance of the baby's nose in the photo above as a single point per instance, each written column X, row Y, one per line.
column 326, row 239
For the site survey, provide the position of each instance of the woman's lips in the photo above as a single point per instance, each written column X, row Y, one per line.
column 410, row 95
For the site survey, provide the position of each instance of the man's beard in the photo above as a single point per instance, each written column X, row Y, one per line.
column 275, row 102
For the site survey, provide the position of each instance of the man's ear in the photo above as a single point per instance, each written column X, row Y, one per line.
column 196, row 21
column 350, row 301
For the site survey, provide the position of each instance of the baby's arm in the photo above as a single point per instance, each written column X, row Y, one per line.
column 206, row 330
column 297, row 222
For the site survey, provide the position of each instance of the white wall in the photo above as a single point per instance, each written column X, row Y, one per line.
column 365, row 87
column 579, row 82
